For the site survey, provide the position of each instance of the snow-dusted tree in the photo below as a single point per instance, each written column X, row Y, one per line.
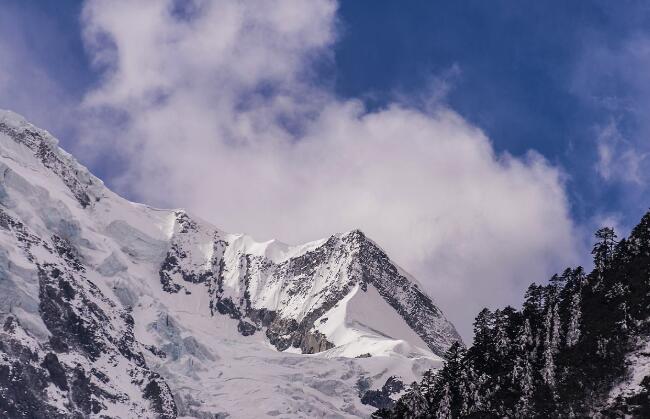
column 411, row 405
column 451, row 375
column 603, row 251
column 501, row 338
column 573, row 326
column 524, row 406
column 551, row 343
column 444, row 410
column 469, row 394
column 522, row 373
column 480, row 352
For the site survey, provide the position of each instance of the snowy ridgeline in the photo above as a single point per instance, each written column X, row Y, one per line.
column 118, row 309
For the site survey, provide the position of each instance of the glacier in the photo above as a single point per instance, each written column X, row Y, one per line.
column 111, row 308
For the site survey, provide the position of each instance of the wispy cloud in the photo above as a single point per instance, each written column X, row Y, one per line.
column 618, row 158
column 614, row 80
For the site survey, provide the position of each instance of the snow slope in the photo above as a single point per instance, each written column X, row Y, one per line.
column 119, row 309
column 632, row 385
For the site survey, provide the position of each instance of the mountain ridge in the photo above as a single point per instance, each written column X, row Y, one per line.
column 99, row 289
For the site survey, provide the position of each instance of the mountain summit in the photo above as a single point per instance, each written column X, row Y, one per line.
column 117, row 309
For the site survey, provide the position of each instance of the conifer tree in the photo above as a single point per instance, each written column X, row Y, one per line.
column 445, row 409
column 450, row 378
column 603, row 250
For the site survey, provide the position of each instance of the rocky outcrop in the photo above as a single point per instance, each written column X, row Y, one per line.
column 383, row 398
column 82, row 184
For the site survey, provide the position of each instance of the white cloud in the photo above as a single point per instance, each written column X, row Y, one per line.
column 618, row 159
column 223, row 117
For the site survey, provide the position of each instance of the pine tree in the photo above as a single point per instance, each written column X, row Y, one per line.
column 483, row 340
column 533, row 309
column 603, row 250
column 469, row 391
column 572, row 305
column 445, row 410
column 551, row 343
column 640, row 236
column 522, row 373
column 501, row 333
column 524, row 405
column 450, row 378
column 411, row 405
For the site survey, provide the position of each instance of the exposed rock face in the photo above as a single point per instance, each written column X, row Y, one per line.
column 93, row 338
column 383, row 398
column 82, row 185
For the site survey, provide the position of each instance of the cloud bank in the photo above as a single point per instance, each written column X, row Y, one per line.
column 215, row 106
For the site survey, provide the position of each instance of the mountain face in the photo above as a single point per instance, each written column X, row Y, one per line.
column 115, row 309
column 579, row 347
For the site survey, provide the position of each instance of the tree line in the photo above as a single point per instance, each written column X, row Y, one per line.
column 557, row 356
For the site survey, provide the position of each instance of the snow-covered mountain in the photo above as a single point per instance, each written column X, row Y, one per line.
column 114, row 309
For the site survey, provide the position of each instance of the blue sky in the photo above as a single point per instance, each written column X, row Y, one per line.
column 567, row 80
